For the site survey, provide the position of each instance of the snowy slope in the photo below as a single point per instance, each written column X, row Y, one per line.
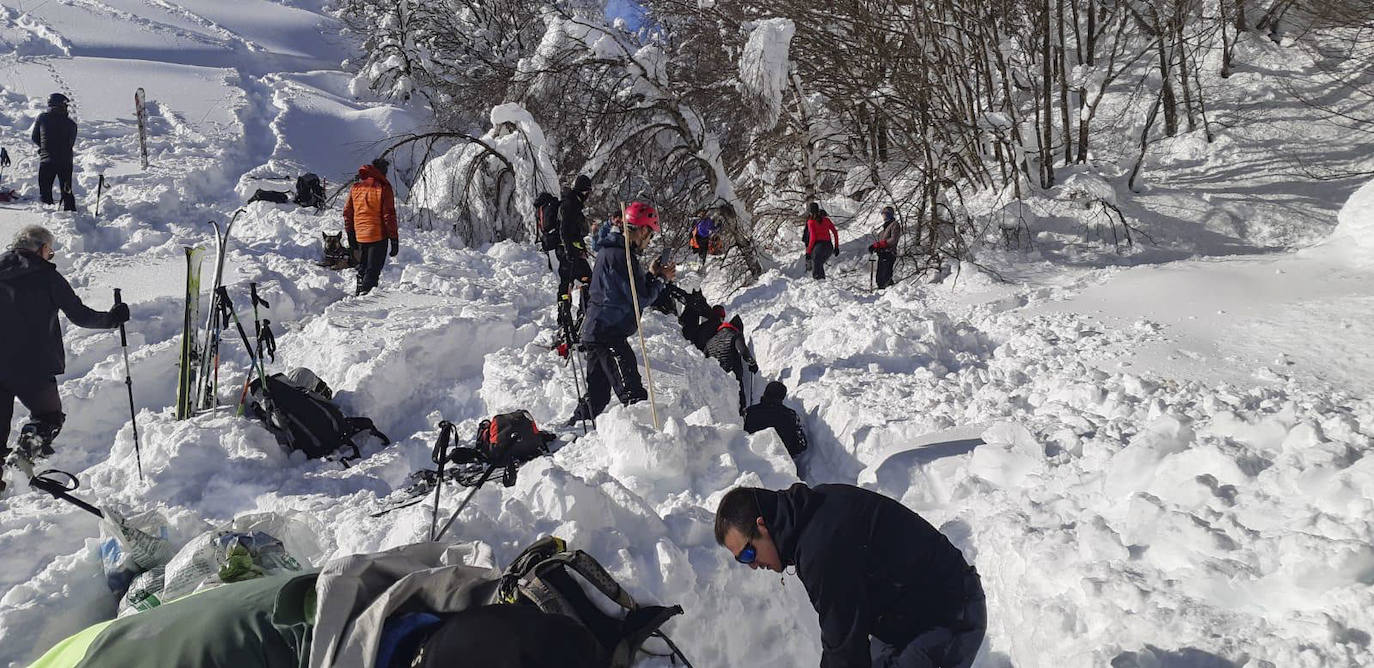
column 1153, row 465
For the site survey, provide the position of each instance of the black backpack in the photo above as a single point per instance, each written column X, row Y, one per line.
column 509, row 440
column 299, row 411
column 546, row 208
column 309, row 191
column 548, row 576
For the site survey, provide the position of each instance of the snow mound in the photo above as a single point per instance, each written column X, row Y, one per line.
column 1353, row 238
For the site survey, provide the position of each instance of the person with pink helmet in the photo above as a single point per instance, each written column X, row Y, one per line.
column 610, row 318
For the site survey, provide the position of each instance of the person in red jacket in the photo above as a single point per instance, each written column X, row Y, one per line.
column 370, row 220
column 822, row 240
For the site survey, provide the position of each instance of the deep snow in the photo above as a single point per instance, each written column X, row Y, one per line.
column 1153, row 460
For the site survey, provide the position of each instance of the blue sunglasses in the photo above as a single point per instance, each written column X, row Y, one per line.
column 748, row 554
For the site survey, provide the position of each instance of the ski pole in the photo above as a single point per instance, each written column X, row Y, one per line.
column 872, row 270
column 491, row 468
column 440, row 458
column 129, row 384
column 99, row 190
column 639, row 327
column 44, row 482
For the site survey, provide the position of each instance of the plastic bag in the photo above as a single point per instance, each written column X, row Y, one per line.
column 144, row 592
column 132, row 545
column 217, row 557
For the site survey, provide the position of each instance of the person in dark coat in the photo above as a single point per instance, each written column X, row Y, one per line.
column 727, row 347
column 573, row 269
column 890, row 589
column 31, row 350
column 55, row 135
column 610, row 317
column 700, row 320
column 886, row 247
column 770, row 413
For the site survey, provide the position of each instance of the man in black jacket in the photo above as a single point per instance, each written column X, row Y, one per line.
column 31, row 352
column 55, row 135
column 872, row 568
column 770, row 413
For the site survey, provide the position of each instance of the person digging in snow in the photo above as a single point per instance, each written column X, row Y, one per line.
column 370, row 221
column 610, row 317
column 891, row 590
column 31, row 350
column 822, row 240
column 54, row 133
column 886, row 246
column 770, row 413
column 727, row 347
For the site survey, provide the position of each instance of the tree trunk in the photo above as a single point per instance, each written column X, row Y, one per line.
column 1183, row 68
column 1047, row 98
column 1166, row 89
column 1061, row 62
column 1227, row 44
column 1144, row 141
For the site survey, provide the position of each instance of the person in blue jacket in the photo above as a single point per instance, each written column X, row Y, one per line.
column 610, row 317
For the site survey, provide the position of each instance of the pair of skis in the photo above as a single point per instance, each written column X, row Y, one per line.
column 198, row 377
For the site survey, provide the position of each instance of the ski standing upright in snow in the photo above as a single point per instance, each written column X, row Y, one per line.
column 190, row 351
column 207, row 381
column 142, row 111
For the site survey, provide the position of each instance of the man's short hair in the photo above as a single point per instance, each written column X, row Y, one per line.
column 32, row 238
column 738, row 509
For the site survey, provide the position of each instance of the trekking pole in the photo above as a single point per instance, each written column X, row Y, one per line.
column 872, row 270
column 227, row 308
column 59, row 490
column 440, row 457
column 99, row 189
column 639, row 326
column 491, row 468
column 129, row 384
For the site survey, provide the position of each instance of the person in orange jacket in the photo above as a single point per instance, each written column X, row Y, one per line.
column 370, row 220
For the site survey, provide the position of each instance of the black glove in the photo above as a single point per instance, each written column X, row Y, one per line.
column 753, row 368
column 395, row 247
column 837, row 251
column 120, row 313
column 808, row 256
column 352, row 239
column 873, row 248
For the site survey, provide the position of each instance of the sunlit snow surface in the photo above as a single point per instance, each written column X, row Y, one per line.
column 1159, row 462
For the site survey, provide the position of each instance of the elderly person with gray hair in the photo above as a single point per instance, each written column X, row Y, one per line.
column 31, row 352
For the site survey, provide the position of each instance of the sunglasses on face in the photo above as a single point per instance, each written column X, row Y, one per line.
column 748, row 554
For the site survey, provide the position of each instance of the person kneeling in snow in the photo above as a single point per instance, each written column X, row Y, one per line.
column 891, row 590
column 770, row 413
column 610, row 317
column 370, row 220
column 31, row 351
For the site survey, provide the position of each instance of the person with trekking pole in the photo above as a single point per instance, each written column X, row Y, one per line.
column 890, row 590
column 885, row 248
column 612, row 317
column 31, row 350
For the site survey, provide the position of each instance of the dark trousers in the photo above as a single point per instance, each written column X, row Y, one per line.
column 887, row 261
column 954, row 646
column 370, row 265
column 44, row 404
column 610, row 367
column 703, row 248
column 62, row 172
column 819, row 254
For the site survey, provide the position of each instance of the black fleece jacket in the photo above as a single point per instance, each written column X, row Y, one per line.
column 31, row 294
column 870, row 565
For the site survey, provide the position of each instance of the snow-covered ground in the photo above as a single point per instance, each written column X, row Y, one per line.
column 1153, row 459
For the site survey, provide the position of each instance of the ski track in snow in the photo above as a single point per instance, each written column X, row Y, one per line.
column 1163, row 479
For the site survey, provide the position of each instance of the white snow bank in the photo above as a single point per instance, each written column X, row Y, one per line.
column 1353, row 238
column 764, row 66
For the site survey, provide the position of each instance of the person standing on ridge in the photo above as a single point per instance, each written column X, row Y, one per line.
column 31, row 350
column 610, row 317
column 55, row 135
column 891, row 591
column 886, row 246
column 770, row 413
column 823, row 240
column 727, row 347
column 370, row 221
